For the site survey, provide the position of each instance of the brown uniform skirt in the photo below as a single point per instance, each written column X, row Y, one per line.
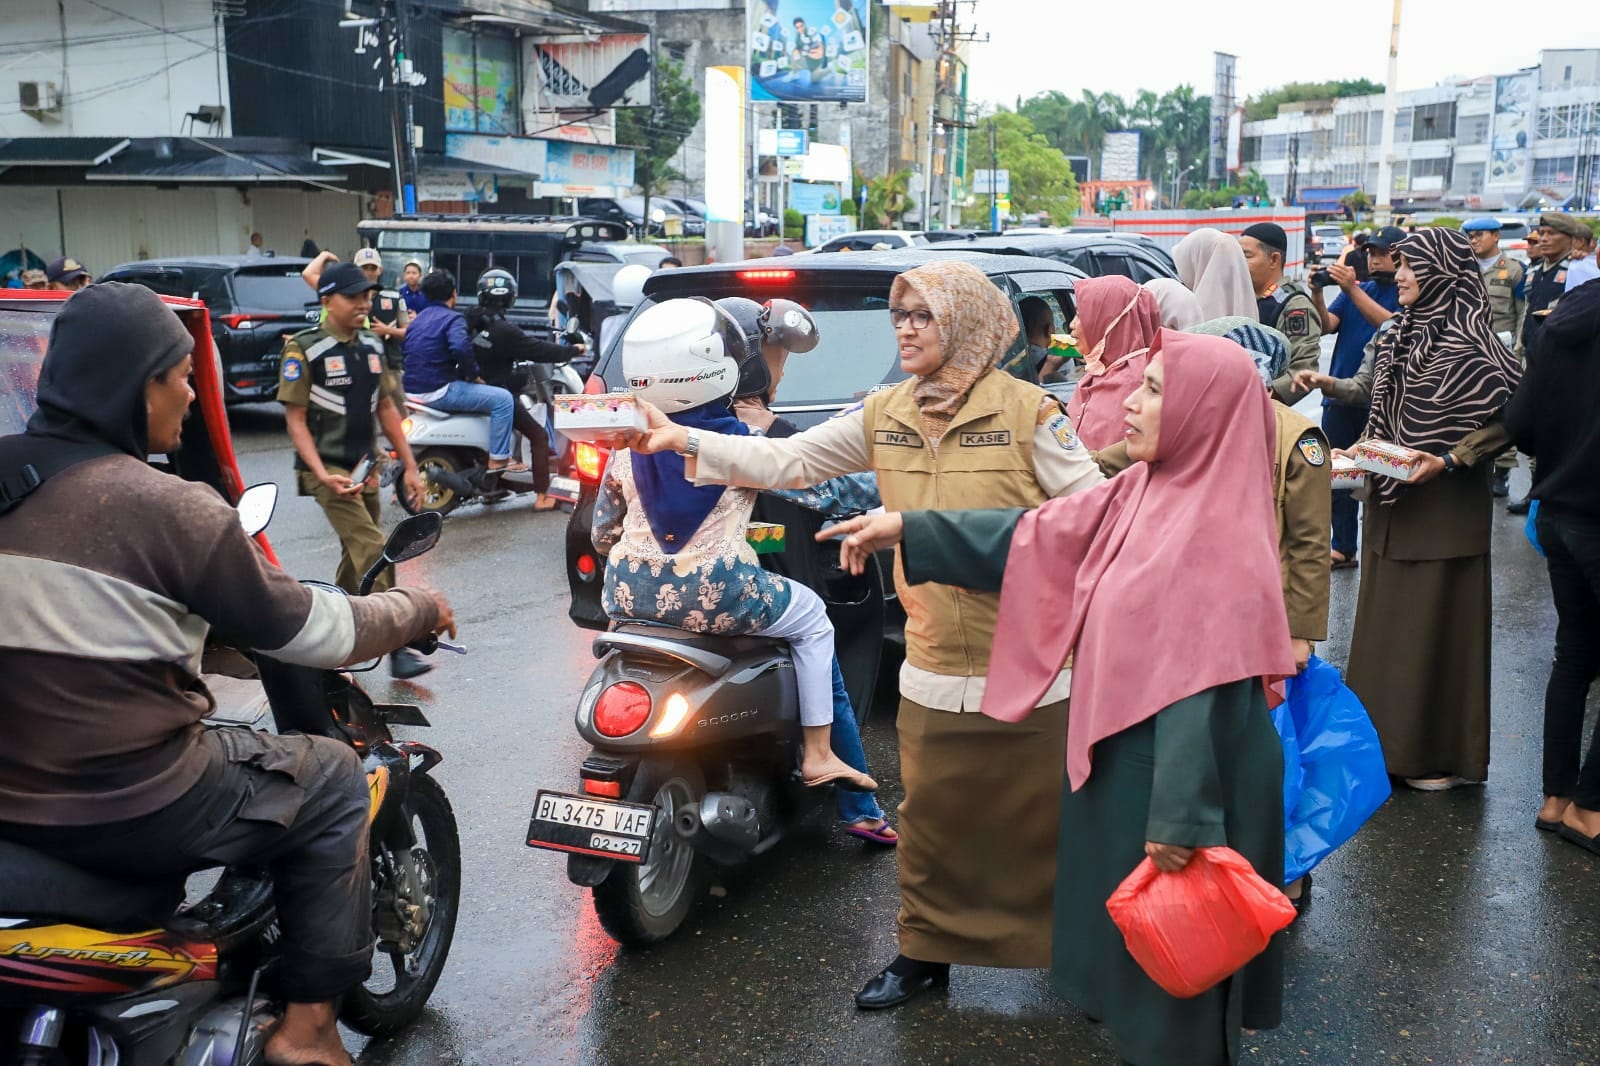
column 978, row 832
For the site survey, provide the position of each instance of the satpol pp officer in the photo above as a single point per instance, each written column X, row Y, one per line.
column 336, row 392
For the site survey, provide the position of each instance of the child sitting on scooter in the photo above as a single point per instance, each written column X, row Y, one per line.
column 676, row 553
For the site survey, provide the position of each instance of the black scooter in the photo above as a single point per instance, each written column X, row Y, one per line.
column 696, row 747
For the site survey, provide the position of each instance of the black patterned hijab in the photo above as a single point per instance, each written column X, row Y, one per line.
column 1441, row 373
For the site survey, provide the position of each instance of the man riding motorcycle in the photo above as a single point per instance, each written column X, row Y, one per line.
column 499, row 345
column 116, row 573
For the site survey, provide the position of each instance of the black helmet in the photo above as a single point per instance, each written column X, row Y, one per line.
column 781, row 322
column 497, row 290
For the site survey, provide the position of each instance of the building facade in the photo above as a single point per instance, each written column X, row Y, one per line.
column 1518, row 140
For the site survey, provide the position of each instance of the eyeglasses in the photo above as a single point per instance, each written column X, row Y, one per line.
column 920, row 319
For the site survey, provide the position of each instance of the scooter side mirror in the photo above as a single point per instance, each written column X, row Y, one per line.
column 413, row 537
column 255, row 507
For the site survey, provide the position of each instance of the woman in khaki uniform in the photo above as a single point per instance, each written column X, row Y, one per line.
column 978, row 824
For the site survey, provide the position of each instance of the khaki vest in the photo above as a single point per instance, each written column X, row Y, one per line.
column 984, row 460
column 1501, row 281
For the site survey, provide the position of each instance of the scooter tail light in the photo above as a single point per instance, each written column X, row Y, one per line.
column 588, row 565
column 590, row 460
column 672, row 717
column 405, row 427
column 603, row 788
column 621, row 709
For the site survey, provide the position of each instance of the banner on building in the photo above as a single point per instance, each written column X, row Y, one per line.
column 480, row 82
column 725, row 144
column 1514, row 101
column 585, row 73
column 1235, row 139
column 1119, row 156
column 815, row 198
column 806, row 51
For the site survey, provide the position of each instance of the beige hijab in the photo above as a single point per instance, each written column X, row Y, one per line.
column 1212, row 266
column 977, row 326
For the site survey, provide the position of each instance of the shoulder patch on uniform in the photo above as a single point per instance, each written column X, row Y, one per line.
column 1297, row 323
column 1561, row 277
column 291, row 369
column 1060, row 427
column 1311, row 448
column 375, row 362
column 859, row 405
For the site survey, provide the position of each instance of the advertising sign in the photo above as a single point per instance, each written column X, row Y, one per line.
column 1513, row 129
column 790, row 142
column 820, row 229
column 567, row 163
column 522, row 154
column 1119, row 157
column 807, row 51
column 561, row 73
column 725, row 144
column 815, row 198
column 985, row 182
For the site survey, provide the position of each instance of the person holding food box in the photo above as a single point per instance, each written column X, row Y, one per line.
column 957, row 432
column 1419, row 656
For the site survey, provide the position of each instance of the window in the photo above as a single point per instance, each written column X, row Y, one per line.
column 1402, row 125
column 1557, row 123
column 1374, row 127
column 480, row 81
column 271, row 290
column 1433, row 122
column 1472, row 129
column 1468, row 178
column 1562, row 170
column 1275, row 146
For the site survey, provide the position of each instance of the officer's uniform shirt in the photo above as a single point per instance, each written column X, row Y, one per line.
column 1288, row 308
column 1507, row 287
column 386, row 308
column 1545, row 284
column 339, row 383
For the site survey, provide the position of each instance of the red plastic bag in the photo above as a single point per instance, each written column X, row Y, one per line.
column 1192, row 929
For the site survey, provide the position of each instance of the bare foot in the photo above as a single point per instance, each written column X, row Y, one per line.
column 308, row 1035
column 1584, row 821
column 1554, row 807
column 832, row 769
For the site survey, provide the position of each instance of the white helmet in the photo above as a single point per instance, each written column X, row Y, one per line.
column 681, row 354
column 627, row 286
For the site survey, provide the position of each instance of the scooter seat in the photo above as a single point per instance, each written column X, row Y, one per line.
column 717, row 644
column 417, row 405
column 34, row 885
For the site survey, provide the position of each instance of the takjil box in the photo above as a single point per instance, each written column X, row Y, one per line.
column 1390, row 460
column 605, row 416
column 766, row 537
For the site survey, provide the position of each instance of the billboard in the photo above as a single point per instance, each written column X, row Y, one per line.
column 1222, row 90
column 815, row 198
column 806, row 51
column 1119, row 156
column 1512, row 133
column 563, row 73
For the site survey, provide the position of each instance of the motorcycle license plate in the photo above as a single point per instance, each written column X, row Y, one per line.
column 591, row 825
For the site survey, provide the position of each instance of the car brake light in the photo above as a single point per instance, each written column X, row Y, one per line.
column 766, row 277
column 590, row 460
column 621, row 709
column 246, row 321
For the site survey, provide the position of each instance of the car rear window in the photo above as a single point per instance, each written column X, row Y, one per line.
column 23, row 337
column 277, row 289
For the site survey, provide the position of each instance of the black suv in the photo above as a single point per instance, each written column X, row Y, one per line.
column 849, row 297
column 254, row 302
column 1096, row 254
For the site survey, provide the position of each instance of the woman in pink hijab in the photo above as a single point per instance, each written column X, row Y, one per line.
column 1170, row 746
column 1115, row 326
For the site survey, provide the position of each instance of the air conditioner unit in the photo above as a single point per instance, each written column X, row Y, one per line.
column 40, row 99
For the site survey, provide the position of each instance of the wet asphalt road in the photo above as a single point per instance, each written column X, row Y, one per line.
column 1448, row 931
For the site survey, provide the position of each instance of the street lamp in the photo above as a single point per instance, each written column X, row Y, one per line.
column 1177, row 185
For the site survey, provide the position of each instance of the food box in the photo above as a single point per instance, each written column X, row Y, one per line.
column 604, row 417
column 1347, row 474
column 1390, row 460
column 766, row 537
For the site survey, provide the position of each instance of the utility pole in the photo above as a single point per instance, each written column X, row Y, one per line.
column 927, row 181
column 1380, row 211
column 406, row 146
column 994, row 177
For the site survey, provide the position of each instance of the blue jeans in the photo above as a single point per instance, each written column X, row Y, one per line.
column 1343, row 427
column 846, row 740
column 468, row 397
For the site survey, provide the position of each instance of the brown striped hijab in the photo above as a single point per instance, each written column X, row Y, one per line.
column 1441, row 373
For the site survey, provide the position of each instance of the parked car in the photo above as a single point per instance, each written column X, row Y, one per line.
column 620, row 252
column 254, row 302
column 867, row 239
column 1325, row 244
column 629, row 210
column 849, row 297
column 1096, row 254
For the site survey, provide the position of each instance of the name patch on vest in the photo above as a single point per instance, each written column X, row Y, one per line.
column 998, row 438
column 896, row 438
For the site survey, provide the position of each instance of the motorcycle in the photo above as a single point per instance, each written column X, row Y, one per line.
column 696, row 744
column 452, row 449
column 111, row 972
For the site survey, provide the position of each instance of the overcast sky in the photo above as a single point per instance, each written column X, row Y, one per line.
column 1036, row 45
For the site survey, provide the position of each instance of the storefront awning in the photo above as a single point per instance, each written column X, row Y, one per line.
column 1326, row 198
column 60, row 151
column 220, row 161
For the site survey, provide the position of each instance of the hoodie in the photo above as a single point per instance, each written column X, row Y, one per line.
column 115, row 574
column 1552, row 415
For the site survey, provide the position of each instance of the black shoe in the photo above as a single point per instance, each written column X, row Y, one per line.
column 1501, row 485
column 1518, row 506
column 406, row 665
column 890, row 989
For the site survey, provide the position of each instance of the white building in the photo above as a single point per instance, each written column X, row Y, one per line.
column 1523, row 139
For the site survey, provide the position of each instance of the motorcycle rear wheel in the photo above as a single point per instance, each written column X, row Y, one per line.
column 436, row 495
column 645, row 903
column 433, row 823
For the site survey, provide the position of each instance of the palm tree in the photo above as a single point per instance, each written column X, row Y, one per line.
column 1093, row 116
column 888, row 198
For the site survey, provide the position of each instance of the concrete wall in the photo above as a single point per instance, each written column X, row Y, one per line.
column 103, row 227
column 117, row 76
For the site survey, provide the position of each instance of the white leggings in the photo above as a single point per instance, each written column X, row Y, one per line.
column 806, row 627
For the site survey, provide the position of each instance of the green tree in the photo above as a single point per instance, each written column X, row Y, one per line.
column 888, row 198
column 1266, row 105
column 1052, row 115
column 658, row 131
column 1041, row 177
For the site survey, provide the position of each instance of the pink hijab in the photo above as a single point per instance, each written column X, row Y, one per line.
column 1163, row 581
column 1119, row 321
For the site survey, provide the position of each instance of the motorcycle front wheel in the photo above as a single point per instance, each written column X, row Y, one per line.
column 436, row 495
column 416, row 884
column 644, row 903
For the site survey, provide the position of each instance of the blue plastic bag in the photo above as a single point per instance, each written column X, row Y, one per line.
column 1530, row 528
column 1337, row 761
